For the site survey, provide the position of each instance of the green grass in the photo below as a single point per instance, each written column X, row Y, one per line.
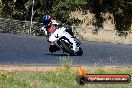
column 61, row 78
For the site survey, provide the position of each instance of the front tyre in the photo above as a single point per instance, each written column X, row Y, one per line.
column 66, row 47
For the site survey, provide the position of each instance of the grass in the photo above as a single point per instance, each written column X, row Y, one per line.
column 62, row 77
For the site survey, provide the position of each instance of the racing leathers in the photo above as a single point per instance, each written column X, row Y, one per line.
column 52, row 28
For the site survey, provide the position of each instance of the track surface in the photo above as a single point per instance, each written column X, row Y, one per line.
column 32, row 50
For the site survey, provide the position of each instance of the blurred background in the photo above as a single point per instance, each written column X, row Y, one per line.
column 103, row 20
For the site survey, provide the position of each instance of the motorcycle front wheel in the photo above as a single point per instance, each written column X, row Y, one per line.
column 66, row 47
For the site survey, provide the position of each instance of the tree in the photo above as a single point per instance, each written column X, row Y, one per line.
column 7, row 8
column 61, row 9
column 19, row 10
column 123, row 15
column 121, row 9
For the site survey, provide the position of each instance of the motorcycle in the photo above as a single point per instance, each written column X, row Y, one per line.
column 59, row 39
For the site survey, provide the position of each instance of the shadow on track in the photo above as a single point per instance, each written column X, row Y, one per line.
column 61, row 55
column 56, row 54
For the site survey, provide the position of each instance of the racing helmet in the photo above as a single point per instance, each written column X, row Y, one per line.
column 46, row 20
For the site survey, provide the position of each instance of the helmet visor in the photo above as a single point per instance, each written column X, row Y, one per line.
column 46, row 22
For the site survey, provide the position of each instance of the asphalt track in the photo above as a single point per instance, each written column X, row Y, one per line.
column 33, row 50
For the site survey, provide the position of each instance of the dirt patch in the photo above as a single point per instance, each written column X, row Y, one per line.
column 105, row 34
column 28, row 68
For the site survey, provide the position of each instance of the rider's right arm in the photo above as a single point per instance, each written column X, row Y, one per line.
column 44, row 30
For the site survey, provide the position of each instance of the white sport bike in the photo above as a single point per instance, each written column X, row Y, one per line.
column 60, row 39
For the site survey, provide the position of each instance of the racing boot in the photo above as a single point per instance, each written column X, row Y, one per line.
column 53, row 48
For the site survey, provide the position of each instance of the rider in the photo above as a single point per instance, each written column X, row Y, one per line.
column 49, row 28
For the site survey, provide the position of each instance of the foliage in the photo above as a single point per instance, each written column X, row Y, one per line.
column 61, row 9
column 123, row 15
column 21, row 9
column 121, row 10
column 66, row 63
